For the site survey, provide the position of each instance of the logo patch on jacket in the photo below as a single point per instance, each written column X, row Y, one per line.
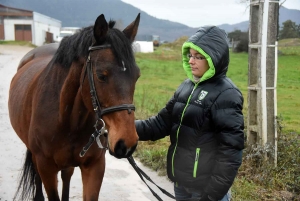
column 202, row 95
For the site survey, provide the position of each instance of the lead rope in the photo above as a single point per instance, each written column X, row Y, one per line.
column 141, row 173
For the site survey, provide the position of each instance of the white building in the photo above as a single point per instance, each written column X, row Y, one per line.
column 24, row 25
column 143, row 46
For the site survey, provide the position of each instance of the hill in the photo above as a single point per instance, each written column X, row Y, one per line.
column 78, row 13
column 75, row 13
column 284, row 15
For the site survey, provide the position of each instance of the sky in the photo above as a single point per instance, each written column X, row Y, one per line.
column 196, row 13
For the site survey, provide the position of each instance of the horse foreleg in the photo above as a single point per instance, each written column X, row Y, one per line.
column 39, row 189
column 92, row 177
column 48, row 173
column 66, row 175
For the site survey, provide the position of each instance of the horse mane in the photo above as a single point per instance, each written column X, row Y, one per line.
column 75, row 46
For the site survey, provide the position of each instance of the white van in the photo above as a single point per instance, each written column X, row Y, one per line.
column 63, row 34
column 66, row 31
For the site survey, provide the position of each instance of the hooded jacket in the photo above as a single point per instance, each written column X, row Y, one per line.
column 204, row 121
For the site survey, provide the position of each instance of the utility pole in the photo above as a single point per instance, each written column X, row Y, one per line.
column 262, row 77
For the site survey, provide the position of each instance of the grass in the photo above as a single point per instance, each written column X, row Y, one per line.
column 162, row 73
column 156, row 84
column 21, row 43
column 289, row 46
column 288, row 91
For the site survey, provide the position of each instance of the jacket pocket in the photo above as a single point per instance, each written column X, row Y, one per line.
column 196, row 162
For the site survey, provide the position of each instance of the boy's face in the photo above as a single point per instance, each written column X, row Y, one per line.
column 198, row 63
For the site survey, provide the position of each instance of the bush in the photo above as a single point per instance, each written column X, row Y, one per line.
column 283, row 177
column 242, row 46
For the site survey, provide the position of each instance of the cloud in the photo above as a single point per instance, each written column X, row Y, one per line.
column 195, row 13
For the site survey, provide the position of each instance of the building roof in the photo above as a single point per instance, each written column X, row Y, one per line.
column 9, row 11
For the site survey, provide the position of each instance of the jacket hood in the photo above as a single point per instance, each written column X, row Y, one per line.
column 211, row 42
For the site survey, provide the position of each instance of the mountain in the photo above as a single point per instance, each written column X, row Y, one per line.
column 288, row 14
column 78, row 13
column 284, row 15
column 243, row 26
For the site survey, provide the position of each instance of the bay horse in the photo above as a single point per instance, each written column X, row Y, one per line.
column 64, row 97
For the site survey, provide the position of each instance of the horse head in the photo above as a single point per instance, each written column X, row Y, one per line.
column 112, row 74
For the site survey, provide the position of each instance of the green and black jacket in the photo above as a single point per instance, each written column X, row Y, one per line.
column 204, row 121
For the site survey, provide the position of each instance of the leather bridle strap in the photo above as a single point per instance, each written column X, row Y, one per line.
column 93, row 92
column 128, row 107
column 99, row 47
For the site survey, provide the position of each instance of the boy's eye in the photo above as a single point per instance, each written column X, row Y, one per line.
column 198, row 57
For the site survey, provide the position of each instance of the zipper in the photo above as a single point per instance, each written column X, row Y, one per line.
column 196, row 162
column 179, row 128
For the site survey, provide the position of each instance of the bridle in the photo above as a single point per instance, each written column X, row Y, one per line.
column 96, row 104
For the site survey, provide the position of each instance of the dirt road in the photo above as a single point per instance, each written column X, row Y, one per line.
column 121, row 183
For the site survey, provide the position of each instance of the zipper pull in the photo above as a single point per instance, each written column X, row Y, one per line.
column 197, row 156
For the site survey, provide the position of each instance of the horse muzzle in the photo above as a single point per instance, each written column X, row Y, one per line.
column 121, row 150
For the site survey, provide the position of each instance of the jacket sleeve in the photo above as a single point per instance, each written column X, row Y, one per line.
column 158, row 126
column 228, row 121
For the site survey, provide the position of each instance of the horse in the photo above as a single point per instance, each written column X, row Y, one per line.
column 64, row 97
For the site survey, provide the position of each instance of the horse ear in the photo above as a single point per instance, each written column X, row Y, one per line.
column 100, row 29
column 131, row 30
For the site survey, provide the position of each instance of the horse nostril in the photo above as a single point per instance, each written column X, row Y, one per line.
column 120, row 149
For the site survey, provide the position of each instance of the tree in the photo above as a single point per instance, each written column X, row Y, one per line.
column 289, row 30
column 235, row 35
column 239, row 40
column 242, row 46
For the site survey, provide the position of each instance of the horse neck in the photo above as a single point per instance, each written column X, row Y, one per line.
column 72, row 110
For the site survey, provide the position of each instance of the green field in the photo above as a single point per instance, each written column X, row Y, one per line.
column 161, row 74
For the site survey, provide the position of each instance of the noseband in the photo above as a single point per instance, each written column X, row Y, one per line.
column 96, row 104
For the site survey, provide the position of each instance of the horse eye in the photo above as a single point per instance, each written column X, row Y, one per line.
column 102, row 77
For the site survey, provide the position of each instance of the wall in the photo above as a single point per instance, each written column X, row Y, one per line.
column 43, row 24
column 9, row 27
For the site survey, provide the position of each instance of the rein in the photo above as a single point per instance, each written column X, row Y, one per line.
column 142, row 174
column 96, row 104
